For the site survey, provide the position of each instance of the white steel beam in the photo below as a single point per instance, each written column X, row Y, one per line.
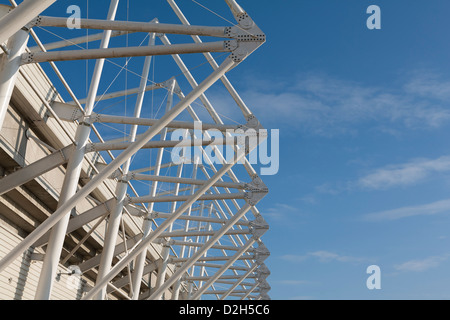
column 145, row 199
column 122, row 186
column 83, row 39
column 245, row 110
column 117, row 94
column 239, row 281
column 215, row 258
column 223, row 277
column 147, row 224
column 174, row 234
column 198, row 218
column 68, row 112
column 35, row 169
column 19, row 17
column 235, row 8
column 70, row 184
column 169, row 116
column 75, row 41
column 193, row 259
column 9, row 68
column 218, row 266
column 118, row 249
column 94, row 147
column 162, row 266
column 145, row 177
column 116, row 163
column 152, row 236
column 133, row 26
column 235, row 293
column 177, row 285
column 217, row 46
column 149, row 122
column 81, row 220
column 221, row 271
column 199, row 244
column 126, row 280
column 130, row 149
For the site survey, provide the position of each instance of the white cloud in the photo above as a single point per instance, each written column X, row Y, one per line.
column 324, row 105
column 404, row 174
column 280, row 211
column 421, row 265
column 428, row 85
column 326, row 256
column 292, row 282
column 333, row 188
column 437, row 207
column 323, row 256
column 389, row 176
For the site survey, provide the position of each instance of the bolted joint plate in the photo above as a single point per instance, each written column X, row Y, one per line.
column 90, row 147
column 245, row 21
column 264, row 287
column 66, row 111
column 36, row 22
column 248, row 35
column 27, row 57
column 135, row 211
column 165, row 242
column 253, row 122
column 262, row 253
column 253, row 197
column 168, row 84
column 256, row 190
column 263, row 272
column 153, row 215
column 259, row 227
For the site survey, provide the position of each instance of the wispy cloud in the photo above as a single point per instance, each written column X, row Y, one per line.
column 292, row 282
column 393, row 175
column 324, row 257
column 422, row 265
column 324, row 105
column 437, row 207
column 281, row 211
column 404, row 174
column 429, row 85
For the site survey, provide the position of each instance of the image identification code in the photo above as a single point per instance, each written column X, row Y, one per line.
column 226, row 309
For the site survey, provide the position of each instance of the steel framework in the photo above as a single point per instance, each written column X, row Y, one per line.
column 217, row 249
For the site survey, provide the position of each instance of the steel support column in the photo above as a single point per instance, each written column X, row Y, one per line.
column 70, row 184
column 21, row 16
column 147, row 225
column 9, row 68
column 122, row 186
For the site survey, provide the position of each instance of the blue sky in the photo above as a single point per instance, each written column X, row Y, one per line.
column 364, row 121
column 364, row 164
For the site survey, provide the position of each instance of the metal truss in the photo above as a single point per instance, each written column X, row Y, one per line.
column 199, row 228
